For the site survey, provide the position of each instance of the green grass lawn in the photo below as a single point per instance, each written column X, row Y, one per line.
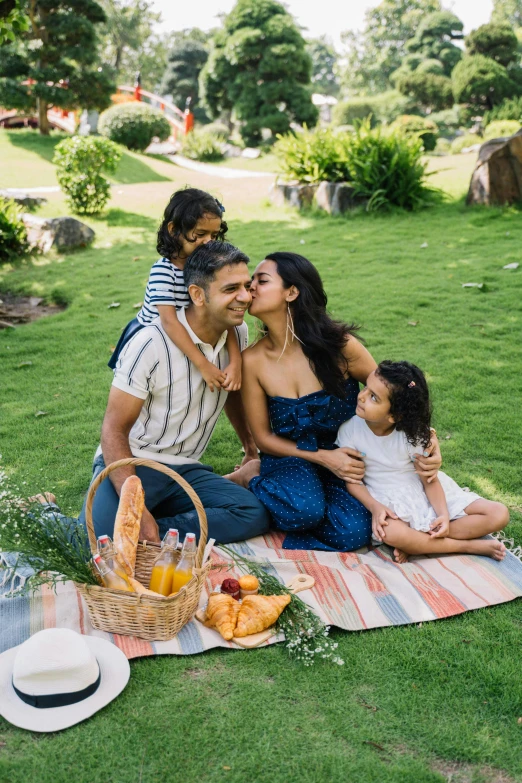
column 418, row 704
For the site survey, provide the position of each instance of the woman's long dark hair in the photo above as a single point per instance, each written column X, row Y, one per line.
column 185, row 208
column 322, row 338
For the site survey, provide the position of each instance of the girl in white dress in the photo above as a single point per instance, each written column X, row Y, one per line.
column 414, row 515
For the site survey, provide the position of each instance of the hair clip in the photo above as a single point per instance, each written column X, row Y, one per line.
column 220, row 205
column 411, row 384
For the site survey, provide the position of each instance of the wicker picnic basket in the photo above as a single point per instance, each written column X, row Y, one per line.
column 133, row 614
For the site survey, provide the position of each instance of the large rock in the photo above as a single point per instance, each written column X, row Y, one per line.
column 336, row 197
column 27, row 200
column 497, row 178
column 295, row 195
column 63, row 233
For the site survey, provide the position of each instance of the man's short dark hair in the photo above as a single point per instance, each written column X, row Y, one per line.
column 201, row 266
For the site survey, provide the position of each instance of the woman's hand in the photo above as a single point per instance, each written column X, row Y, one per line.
column 345, row 463
column 379, row 515
column 428, row 464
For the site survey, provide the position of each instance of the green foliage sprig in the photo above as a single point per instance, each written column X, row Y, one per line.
column 306, row 635
column 57, row 552
column 13, row 234
column 80, row 161
column 134, row 125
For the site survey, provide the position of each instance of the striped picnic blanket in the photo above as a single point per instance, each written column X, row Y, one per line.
column 353, row 590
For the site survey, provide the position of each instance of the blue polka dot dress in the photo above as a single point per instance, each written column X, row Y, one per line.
column 306, row 501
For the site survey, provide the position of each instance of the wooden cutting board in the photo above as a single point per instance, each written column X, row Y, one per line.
column 296, row 585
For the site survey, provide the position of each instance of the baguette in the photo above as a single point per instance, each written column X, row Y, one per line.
column 127, row 523
column 139, row 588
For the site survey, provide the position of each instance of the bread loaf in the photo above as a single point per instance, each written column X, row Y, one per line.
column 127, row 523
column 139, row 588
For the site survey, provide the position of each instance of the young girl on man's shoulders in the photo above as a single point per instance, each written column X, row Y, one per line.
column 192, row 218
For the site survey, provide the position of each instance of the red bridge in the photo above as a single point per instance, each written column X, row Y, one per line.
column 180, row 122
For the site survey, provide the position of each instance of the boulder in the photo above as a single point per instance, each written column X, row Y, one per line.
column 63, row 233
column 497, row 178
column 336, row 197
column 27, row 200
column 294, row 194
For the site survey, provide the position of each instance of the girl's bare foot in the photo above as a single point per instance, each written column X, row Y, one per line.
column 47, row 497
column 488, row 548
column 400, row 556
column 246, row 473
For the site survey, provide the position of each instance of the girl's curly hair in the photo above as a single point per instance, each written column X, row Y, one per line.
column 183, row 211
column 410, row 403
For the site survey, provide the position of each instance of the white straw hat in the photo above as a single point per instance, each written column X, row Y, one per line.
column 58, row 678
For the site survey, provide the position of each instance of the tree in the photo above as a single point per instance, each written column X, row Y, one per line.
column 379, row 50
column 434, row 40
column 259, row 68
column 325, row 79
column 480, row 82
column 497, row 41
column 13, row 20
column 185, row 62
column 509, row 11
column 55, row 62
column 431, row 90
column 130, row 43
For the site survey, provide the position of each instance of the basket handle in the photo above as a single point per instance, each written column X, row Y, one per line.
column 161, row 468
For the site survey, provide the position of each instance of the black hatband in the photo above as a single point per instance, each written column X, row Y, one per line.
column 58, row 699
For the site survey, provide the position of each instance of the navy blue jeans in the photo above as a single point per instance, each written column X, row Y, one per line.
column 233, row 513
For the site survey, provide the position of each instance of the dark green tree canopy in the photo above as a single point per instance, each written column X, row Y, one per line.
column 509, row 11
column 58, row 57
column 481, row 82
column 434, row 40
column 181, row 78
column 431, row 90
column 497, row 41
column 259, row 68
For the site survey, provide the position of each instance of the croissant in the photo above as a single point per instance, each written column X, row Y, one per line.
column 258, row 612
column 222, row 611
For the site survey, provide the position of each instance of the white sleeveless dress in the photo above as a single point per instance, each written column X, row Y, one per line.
column 391, row 479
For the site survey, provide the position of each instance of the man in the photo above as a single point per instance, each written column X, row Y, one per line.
column 161, row 409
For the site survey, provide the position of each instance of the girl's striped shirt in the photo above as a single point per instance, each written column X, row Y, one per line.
column 165, row 286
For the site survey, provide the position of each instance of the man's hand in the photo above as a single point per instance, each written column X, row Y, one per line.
column 379, row 521
column 149, row 530
column 428, row 463
column 439, row 528
column 345, row 463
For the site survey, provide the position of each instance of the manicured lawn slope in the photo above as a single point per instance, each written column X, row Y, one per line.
column 419, row 704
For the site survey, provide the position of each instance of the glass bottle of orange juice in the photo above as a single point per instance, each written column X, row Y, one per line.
column 109, row 577
column 163, row 568
column 187, row 561
column 106, row 549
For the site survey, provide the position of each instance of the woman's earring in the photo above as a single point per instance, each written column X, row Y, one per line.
column 289, row 328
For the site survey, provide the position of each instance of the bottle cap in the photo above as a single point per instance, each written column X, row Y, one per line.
column 103, row 538
column 97, row 557
column 173, row 531
column 190, row 537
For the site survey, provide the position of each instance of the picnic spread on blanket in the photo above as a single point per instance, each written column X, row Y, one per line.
column 149, row 599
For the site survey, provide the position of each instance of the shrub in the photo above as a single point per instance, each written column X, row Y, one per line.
column 384, row 167
column 201, row 145
column 442, row 147
column 383, row 108
column 448, row 121
column 134, row 125
column 500, row 128
column 480, row 81
column 421, row 127
column 313, row 156
column 509, row 109
column 387, row 169
column 218, row 129
column 80, row 161
column 13, row 234
column 467, row 140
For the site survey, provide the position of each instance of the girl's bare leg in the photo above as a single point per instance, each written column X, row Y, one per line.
column 245, row 473
column 482, row 517
column 412, row 542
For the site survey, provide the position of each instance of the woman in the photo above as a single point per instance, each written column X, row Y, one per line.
column 300, row 383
